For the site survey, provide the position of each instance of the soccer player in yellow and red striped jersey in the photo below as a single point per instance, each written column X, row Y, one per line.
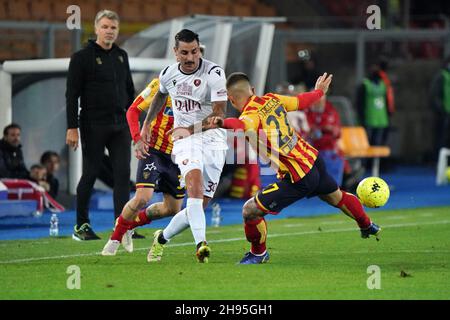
column 156, row 171
column 301, row 171
column 159, row 127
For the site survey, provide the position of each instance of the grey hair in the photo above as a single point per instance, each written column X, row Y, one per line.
column 106, row 13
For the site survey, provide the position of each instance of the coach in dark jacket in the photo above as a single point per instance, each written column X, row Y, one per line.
column 100, row 76
column 12, row 164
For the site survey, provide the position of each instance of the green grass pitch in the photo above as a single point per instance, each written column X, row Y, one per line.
column 311, row 258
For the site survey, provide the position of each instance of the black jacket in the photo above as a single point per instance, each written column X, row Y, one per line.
column 54, row 185
column 102, row 80
column 11, row 162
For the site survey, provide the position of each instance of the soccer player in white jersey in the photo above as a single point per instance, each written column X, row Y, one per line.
column 197, row 88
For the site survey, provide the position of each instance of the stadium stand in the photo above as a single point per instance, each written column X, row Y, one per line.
column 135, row 15
column 131, row 11
column 175, row 8
column 198, row 7
column 41, row 10
column 18, row 10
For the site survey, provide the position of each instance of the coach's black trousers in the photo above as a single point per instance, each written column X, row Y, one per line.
column 94, row 138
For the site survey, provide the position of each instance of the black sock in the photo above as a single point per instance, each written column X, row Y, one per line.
column 200, row 244
column 161, row 239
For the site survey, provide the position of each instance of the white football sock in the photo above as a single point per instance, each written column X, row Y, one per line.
column 197, row 220
column 178, row 223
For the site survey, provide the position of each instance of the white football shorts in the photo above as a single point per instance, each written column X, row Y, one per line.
column 190, row 154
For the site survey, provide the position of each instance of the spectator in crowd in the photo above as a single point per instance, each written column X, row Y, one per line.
column 51, row 160
column 12, row 164
column 296, row 118
column 324, row 125
column 390, row 100
column 372, row 105
column 440, row 103
column 100, row 76
column 38, row 174
column 324, row 132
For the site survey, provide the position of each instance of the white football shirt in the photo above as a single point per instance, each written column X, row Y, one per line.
column 192, row 96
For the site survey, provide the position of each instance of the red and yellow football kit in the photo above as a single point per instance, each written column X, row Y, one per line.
column 277, row 140
column 160, row 125
column 294, row 157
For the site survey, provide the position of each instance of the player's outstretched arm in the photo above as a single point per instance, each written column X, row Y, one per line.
column 307, row 99
column 323, row 82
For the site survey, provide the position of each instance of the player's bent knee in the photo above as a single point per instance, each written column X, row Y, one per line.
column 251, row 211
column 332, row 198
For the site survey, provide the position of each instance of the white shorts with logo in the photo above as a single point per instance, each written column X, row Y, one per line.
column 190, row 154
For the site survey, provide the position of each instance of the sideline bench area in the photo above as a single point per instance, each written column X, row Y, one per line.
column 355, row 144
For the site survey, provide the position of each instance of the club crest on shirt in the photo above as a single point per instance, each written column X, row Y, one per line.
column 185, row 161
column 99, row 61
column 183, row 89
column 197, row 82
column 120, row 58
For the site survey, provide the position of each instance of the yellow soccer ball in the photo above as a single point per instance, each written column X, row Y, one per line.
column 373, row 192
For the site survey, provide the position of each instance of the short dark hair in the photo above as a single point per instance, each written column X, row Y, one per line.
column 11, row 126
column 186, row 35
column 47, row 155
column 235, row 77
column 37, row 166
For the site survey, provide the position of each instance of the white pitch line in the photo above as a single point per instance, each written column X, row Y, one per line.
column 229, row 240
column 395, row 218
column 213, row 231
column 426, row 214
column 293, row 225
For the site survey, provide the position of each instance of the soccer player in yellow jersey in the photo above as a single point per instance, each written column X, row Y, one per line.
column 301, row 171
column 156, row 171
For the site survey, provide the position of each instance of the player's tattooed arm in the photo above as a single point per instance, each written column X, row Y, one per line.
column 218, row 112
column 210, row 122
column 207, row 123
column 141, row 147
column 156, row 106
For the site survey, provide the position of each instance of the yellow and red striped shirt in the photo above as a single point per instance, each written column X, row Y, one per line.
column 162, row 123
column 277, row 140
